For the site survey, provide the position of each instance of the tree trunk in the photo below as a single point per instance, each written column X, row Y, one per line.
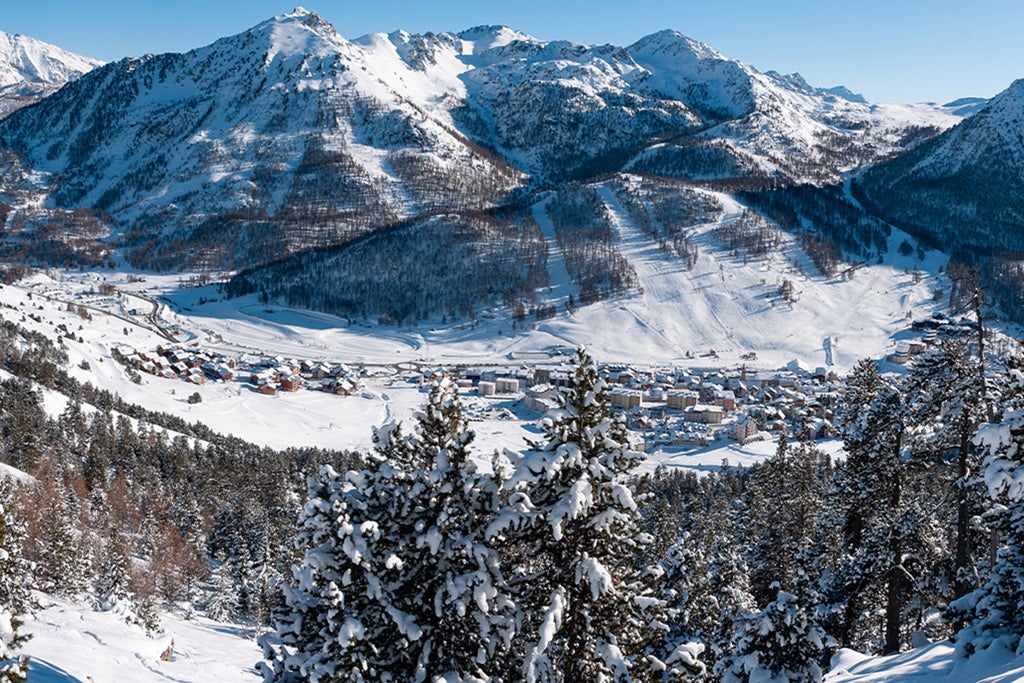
column 962, row 557
column 896, row 580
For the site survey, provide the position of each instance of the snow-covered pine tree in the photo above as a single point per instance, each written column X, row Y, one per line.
column 867, row 571
column 222, row 596
column 114, row 575
column 61, row 566
column 15, row 599
column 946, row 401
column 591, row 612
column 686, row 590
column 399, row 582
column 996, row 609
column 781, row 501
column 781, row 643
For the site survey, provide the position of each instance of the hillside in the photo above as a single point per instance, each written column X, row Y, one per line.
column 31, row 69
column 288, row 137
column 957, row 191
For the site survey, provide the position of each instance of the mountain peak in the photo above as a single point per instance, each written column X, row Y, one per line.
column 488, row 37
column 672, row 43
column 27, row 60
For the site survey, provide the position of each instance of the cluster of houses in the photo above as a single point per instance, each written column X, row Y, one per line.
column 685, row 407
column 176, row 362
column 267, row 375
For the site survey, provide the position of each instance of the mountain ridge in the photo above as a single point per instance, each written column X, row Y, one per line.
column 30, row 69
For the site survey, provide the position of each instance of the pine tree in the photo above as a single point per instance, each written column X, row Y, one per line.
column 995, row 611
column 399, row 581
column 222, row 598
column 591, row 611
column 15, row 599
column 869, row 489
column 946, row 397
column 782, row 642
column 61, row 566
column 782, row 499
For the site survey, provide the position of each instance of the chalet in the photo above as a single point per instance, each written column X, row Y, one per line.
column 268, row 389
column 345, row 387
column 291, row 383
column 195, row 377
column 820, row 429
column 431, row 375
column 322, row 370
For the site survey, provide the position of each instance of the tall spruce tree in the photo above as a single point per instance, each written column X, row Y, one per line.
column 590, row 610
column 15, row 599
column 399, row 581
column 946, row 394
column 867, row 571
column 995, row 611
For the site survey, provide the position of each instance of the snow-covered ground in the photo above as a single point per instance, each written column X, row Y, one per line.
column 74, row 644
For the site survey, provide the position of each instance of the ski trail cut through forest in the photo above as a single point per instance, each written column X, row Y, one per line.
column 561, row 282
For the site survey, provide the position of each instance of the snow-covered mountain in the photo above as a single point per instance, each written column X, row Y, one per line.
column 31, row 69
column 289, row 136
column 962, row 188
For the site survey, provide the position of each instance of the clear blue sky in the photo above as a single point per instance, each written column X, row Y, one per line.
column 888, row 50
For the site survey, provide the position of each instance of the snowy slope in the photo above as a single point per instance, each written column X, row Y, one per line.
column 73, row 644
column 288, row 136
column 31, row 69
column 959, row 189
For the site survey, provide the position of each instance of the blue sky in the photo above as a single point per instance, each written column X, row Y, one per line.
column 890, row 51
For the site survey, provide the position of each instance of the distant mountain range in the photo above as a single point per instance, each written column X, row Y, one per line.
column 31, row 69
column 288, row 137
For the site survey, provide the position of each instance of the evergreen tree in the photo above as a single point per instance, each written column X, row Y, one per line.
column 222, row 598
column 61, row 565
column 15, row 600
column 867, row 572
column 946, row 400
column 782, row 500
column 399, row 581
column 782, row 642
column 591, row 613
column 995, row 611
